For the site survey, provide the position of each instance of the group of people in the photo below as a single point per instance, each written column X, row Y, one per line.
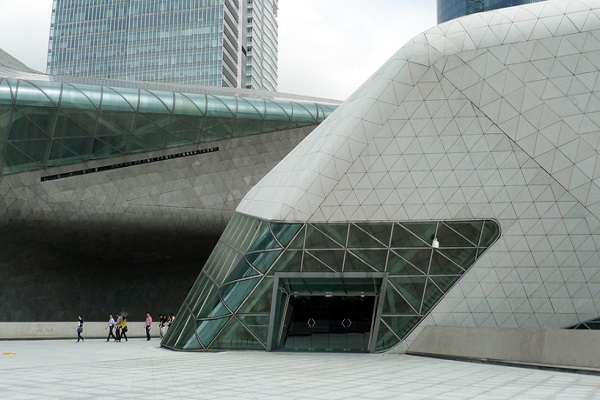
column 117, row 329
column 119, row 326
column 164, row 323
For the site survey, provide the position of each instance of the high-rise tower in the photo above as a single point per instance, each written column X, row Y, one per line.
column 261, row 43
column 200, row 42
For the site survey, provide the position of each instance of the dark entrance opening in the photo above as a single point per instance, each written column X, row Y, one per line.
column 328, row 323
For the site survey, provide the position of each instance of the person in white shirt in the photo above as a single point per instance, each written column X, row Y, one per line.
column 111, row 326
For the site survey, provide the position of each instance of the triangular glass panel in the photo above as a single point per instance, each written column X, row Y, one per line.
column 463, row 257
column 186, row 123
column 423, row 230
column 207, row 330
column 236, row 336
column 402, row 237
column 334, row 259
column 86, row 120
column 401, row 326
column 65, row 151
column 215, row 128
column 411, row 288
column 5, row 116
column 15, row 161
column 338, row 232
column 449, row 238
column 181, row 331
column 257, row 324
column 30, row 124
column 444, row 282
column 316, row 239
column 260, row 299
column 290, row 261
column 418, row 257
column 241, row 270
column 471, row 230
column 298, row 241
column 243, row 128
column 311, row 264
column 399, row 266
column 145, row 125
column 395, row 304
column 355, row 264
column 432, row 296
column 109, row 146
column 262, row 261
column 181, row 139
column 203, row 298
column 379, row 231
column 265, row 241
column 357, row 238
column 145, row 143
column 440, row 265
column 285, row 232
column 111, row 123
column 34, row 149
column 66, row 127
column 235, row 293
column 375, row 258
column 386, row 338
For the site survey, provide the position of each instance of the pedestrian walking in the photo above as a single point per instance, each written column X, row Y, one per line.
column 148, row 325
column 110, row 327
column 124, row 328
column 79, row 328
column 118, row 326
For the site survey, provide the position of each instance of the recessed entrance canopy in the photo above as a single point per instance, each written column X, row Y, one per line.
column 325, row 311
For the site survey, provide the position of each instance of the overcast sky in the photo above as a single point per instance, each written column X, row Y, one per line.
column 327, row 48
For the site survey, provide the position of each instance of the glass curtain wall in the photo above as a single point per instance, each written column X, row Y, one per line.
column 177, row 41
column 44, row 124
column 239, row 299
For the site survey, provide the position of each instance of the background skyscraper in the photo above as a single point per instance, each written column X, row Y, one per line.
column 261, row 42
column 199, row 42
column 450, row 9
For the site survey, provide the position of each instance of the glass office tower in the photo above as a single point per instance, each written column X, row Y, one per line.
column 450, row 9
column 261, row 43
column 199, row 42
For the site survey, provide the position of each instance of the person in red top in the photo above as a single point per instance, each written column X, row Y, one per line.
column 148, row 325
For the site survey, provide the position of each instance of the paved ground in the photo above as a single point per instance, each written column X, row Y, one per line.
column 142, row 370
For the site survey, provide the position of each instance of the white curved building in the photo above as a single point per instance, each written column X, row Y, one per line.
column 458, row 186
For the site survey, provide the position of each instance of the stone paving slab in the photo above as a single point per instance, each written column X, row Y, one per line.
column 139, row 369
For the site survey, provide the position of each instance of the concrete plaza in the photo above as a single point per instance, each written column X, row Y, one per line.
column 138, row 369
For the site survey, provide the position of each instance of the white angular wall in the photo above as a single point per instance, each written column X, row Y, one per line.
column 493, row 115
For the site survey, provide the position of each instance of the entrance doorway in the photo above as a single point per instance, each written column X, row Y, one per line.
column 316, row 311
column 328, row 323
